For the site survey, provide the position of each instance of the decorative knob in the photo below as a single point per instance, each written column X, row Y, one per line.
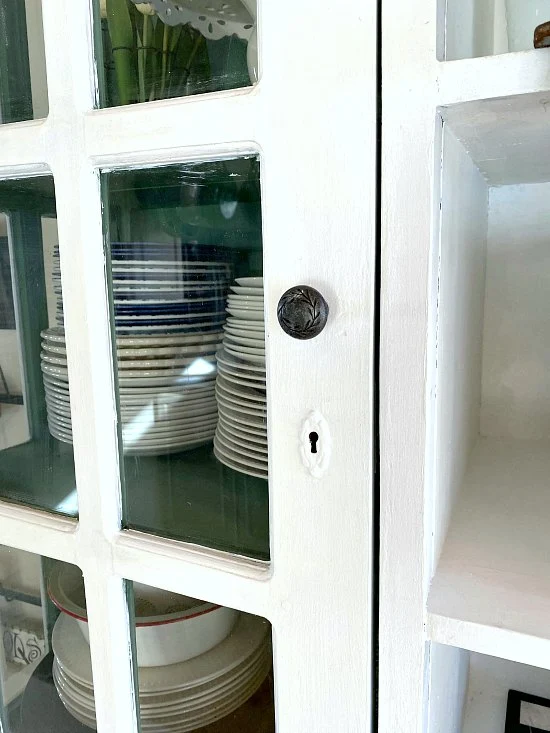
column 302, row 312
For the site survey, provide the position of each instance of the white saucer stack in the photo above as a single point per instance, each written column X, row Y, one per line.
column 166, row 388
column 176, row 697
column 241, row 434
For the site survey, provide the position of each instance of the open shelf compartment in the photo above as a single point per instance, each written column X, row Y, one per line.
column 490, row 423
column 469, row 693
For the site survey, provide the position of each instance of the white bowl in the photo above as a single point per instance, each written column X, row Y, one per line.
column 170, row 628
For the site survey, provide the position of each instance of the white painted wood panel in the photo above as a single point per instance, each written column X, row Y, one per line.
column 448, row 682
column 460, row 305
column 516, row 339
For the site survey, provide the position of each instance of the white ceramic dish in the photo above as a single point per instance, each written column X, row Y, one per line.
column 255, row 301
column 244, row 445
column 193, row 697
column 255, row 423
column 250, row 282
column 167, row 364
column 243, row 396
column 166, row 638
column 249, row 393
column 245, row 323
column 249, row 314
column 236, row 362
column 248, row 458
column 193, row 387
column 237, row 465
column 245, row 354
column 245, row 406
column 215, row 694
column 254, row 435
column 247, row 636
column 234, row 338
column 244, row 290
column 165, row 340
column 241, row 380
column 167, row 352
column 241, row 376
column 244, row 348
column 246, row 307
column 181, row 441
column 164, row 450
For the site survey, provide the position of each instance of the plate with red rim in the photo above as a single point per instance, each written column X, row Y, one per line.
column 248, row 634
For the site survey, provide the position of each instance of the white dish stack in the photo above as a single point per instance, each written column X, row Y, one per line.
column 169, row 308
column 176, row 697
column 241, row 433
column 163, row 408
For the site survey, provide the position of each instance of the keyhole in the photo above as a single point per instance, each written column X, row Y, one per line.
column 313, row 438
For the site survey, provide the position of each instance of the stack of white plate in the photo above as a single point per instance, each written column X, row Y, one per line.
column 241, row 434
column 166, row 387
column 176, row 697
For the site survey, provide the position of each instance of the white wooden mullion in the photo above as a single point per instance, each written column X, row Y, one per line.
column 156, row 131
column 67, row 30
column 49, row 534
column 23, row 149
column 409, row 87
column 211, row 575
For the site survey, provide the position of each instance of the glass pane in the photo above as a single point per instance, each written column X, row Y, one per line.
column 43, row 652
column 173, row 48
column 23, row 87
column 201, row 667
column 36, row 455
column 185, row 241
column 487, row 27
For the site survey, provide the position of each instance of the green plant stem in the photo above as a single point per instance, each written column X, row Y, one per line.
column 144, row 54
column 190, row 60
column 165, row 39
column 122, row 42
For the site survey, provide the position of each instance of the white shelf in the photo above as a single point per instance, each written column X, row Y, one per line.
column 506, row 137
column 492, row 77
column 491, row 589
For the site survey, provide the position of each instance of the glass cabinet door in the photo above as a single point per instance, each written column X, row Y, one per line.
column 186, row 406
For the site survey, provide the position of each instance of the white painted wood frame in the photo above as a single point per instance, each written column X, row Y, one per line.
column 312, row 119
column 493, row 105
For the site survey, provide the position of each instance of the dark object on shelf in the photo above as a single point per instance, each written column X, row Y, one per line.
column 527, row 713
column 542, row 35
column 5, row 396
column 41, row 709
column 302, row 312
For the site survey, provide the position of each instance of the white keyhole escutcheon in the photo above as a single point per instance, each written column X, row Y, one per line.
column 315, row 444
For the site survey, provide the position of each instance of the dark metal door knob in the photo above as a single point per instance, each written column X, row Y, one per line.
column 302, row 312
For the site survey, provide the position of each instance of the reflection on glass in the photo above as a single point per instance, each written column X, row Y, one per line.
column 23, row 88
column 43, row 651
column 186, row 266
column 165, row 48
column 201, row 666
column 36, row 456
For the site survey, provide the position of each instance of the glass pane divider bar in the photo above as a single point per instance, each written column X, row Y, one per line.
column 37, row 531
column 229, row 580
